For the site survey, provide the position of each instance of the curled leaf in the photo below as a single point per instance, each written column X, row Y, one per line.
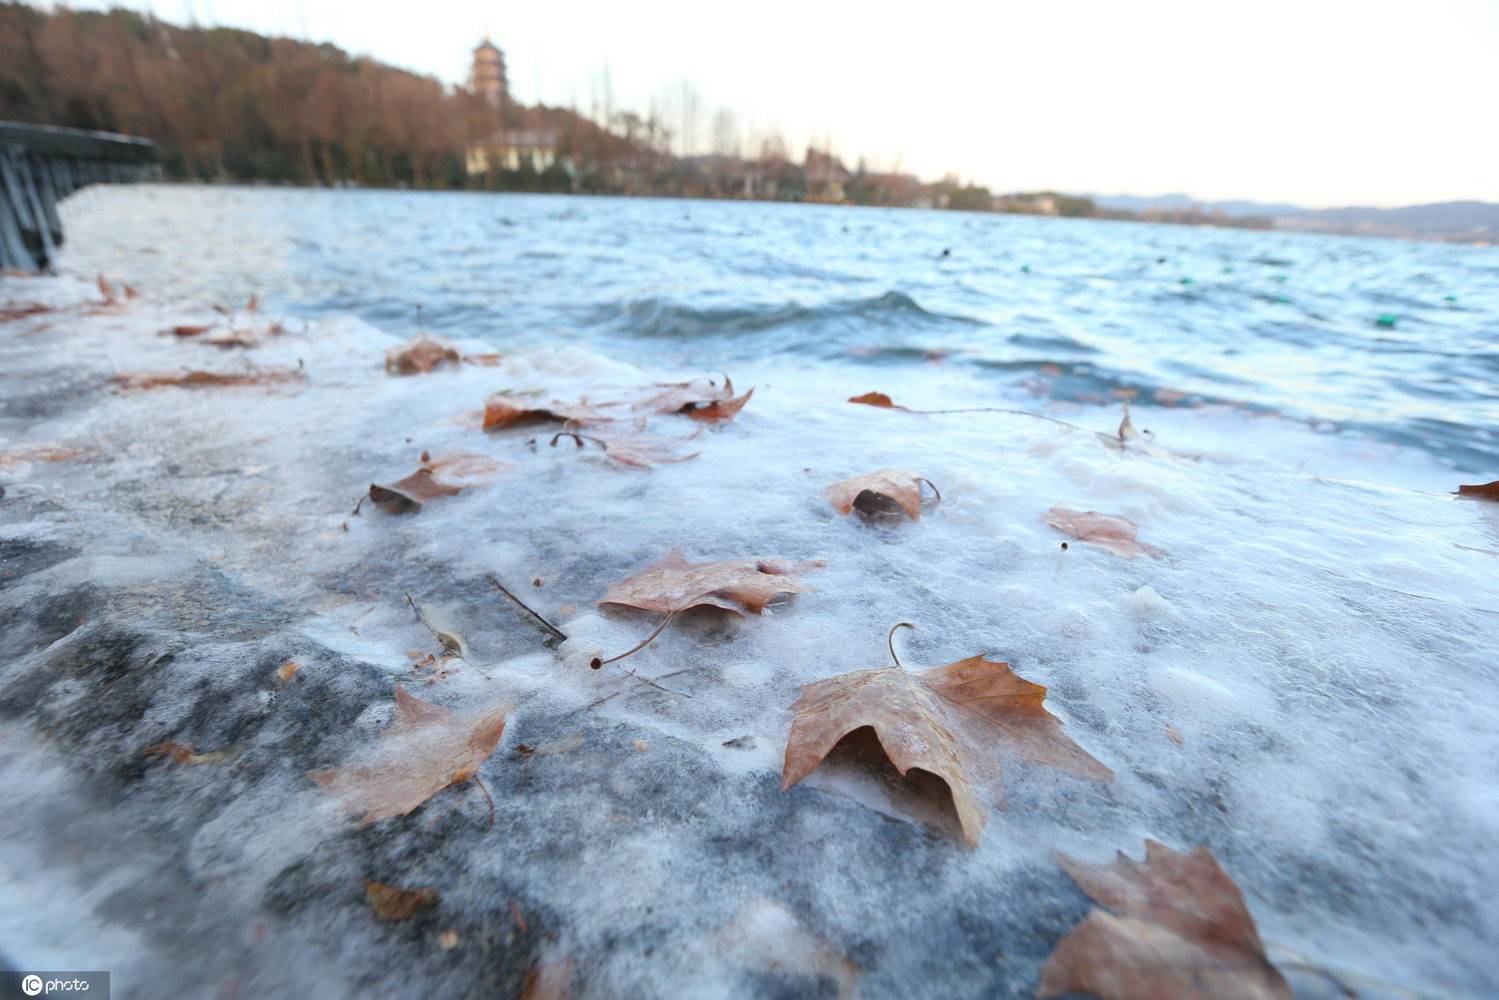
column 951, row 721
column 899, row 486
column 701, row 400
column 1107, row 531
column 738, row 585
column 444, row 476
column 1179, row 928
column 189, row 331
column 420, row 354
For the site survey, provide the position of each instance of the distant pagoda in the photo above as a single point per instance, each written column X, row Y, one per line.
column 487, row 77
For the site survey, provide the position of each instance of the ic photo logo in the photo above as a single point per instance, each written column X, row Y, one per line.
column 34, row 985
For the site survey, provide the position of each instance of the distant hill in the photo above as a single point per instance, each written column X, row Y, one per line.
column 1181, row 202
column 1466, row 221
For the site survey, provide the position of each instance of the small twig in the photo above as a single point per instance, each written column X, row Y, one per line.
column 890, row 641
column 598, row 662
column 497, row 585
column 589, row 707
column 485, row 789
column 362, row 498
column 658, row 687
column 448, row 646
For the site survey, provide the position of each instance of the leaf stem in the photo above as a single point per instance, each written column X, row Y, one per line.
column 597, row 662
column 890, row 638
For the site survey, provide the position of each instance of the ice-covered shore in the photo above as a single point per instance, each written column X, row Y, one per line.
column 1323, row 645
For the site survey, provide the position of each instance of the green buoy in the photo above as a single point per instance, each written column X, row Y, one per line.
column 1025, row 269
column 1449, row 298
column 1188, row 281
column 1386, row 320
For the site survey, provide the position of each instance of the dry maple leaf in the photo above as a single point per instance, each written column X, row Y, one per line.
column 444, row 476
column 420, row 354
column 1179, row 929
column 947, row 721
column 901, row 487
column 1107, row 531
column 426, row 749
column 390, row 903
column 193, row 379
column 737, row 585
column 701, row 400
column 876, row 399
column 1486, row 491
column 503, row 410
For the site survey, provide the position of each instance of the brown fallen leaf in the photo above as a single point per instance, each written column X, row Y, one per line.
column 420, row 354
column 390, row 903
column 737, row 585
column 232, row 338
column 701, row 400
column 42, row 453
column 1175, row 736
column 196, row 379
column 1486, row 491
column 190, row 331
column 899, row 486
column 1179, row 929
column 444, row 476
column 1116, row 534
column 426, row 749
column 948, row 721
column 502, row 410
column 287, row 671
column 876, row 399
column 551, row 978
column 182, row 753
column 15, row 312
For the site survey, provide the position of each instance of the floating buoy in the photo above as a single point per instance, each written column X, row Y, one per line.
column 1386, row 320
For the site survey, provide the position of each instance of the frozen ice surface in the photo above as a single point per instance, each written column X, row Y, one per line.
column 1321, row 642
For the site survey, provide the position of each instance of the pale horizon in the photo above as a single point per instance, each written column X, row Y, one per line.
column 1325, row 105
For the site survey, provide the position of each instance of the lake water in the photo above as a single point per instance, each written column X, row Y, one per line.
column 1075, row 311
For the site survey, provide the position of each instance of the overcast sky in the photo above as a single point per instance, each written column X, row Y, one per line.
column 1318, row 102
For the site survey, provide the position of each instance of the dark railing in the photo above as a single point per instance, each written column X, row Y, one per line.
column 39, row 166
